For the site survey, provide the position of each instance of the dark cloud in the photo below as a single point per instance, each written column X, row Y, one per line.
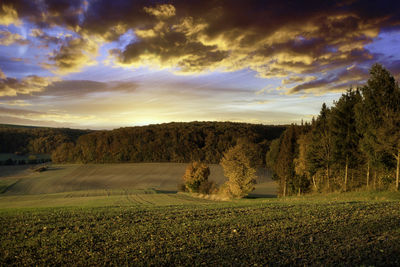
column 273, row 38
column 81, row 88
column 46, row 13
column 38, row 118
column 72, row 55
column 8, row 38
column 7, row 119
column 342, row 80
column 16, row 111
column 12, row 87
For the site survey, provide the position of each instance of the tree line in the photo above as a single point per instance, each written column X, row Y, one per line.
column 169, row 142
column 353, row 144
column 35, row 140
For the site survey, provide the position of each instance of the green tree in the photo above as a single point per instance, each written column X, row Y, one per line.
column 272, row 156
column 195, row 175
column 344, row 132
column 284, row 166
column 239, row 169
column 378, row 118
column 319, row 153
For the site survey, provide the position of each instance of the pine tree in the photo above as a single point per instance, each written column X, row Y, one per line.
column 378, row 117
column 272, row 156
column 284, row 165
column 319, row 155
column 344, row 134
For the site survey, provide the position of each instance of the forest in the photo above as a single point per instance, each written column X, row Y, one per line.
column 35, row 140
column 169, row 142
column 353, row 144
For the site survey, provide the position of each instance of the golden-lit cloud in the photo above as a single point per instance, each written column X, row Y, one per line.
column 161, row 11
column 8, row 15
column 54, row 117
column 275, row 40
column 8, row 38
column 2, row 75
column 73, row 55
column 351, row 77
column 19, row 103
column 197, row 39
column 83, row 88
column 298, row 79
column 27, row 85
column 45, row 38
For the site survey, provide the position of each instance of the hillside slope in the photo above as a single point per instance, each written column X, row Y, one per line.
column 78, row 177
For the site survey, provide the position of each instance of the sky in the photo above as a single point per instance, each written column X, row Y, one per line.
column 103, row 64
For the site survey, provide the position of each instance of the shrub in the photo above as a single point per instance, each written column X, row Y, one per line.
column 208, row 187
column 181, row 187
column 196, row 173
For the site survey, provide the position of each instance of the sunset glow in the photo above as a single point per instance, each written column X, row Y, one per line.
column 107, row 64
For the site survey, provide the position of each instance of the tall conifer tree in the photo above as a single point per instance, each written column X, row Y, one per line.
column 378, row 116
column 344, row 134
column 319, row 154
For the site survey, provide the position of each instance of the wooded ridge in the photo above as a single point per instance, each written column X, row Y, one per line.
column 169, row 142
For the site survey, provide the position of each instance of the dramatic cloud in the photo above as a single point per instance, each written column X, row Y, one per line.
column 273, row 39
column 46, row 13
column 351, row 77
column 161, row 11
column 82, row 88
column 53, row 118
column 8, row 15
column 27, row 85
column 155, row 61
column 20, row 103
column 298, row 79
column 72, row 55
column 8, row 38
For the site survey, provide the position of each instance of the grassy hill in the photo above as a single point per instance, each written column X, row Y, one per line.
column 150, row 228
column 126, row 176
column 129, row 214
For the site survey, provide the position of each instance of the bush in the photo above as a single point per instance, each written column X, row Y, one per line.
column 196, row 173
column 182, row 187
column 208, row 187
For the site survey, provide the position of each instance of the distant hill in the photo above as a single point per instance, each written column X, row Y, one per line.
column 18, row 126
column 169, row 142
column 35, row 140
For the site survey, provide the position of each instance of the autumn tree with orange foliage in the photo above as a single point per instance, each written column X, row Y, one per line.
column 196, row 177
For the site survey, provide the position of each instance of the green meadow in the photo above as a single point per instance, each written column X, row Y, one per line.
column 131, row 214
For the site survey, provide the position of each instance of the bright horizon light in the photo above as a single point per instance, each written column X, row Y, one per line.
column 111, row 64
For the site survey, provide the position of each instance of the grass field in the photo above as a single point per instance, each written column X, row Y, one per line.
column 141, row 229
column 155, row 226
column 66, row 178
